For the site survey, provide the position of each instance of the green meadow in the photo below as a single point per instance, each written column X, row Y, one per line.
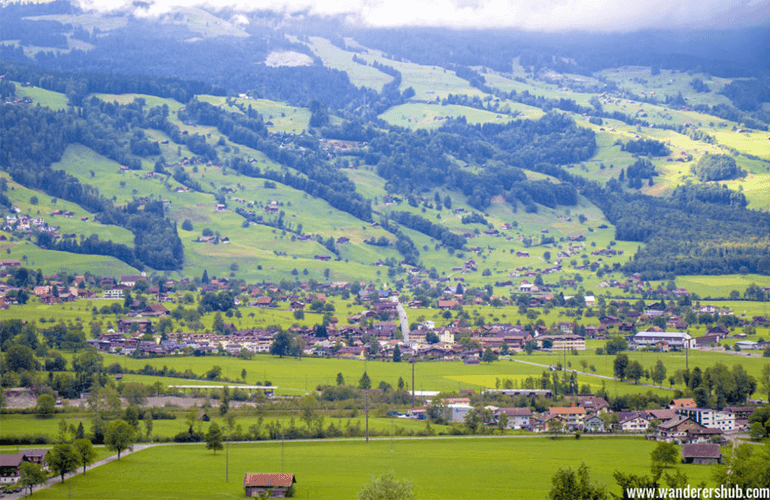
column 519, row 468
column 295, row 376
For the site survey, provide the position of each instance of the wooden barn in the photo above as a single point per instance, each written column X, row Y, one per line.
column 278, row 484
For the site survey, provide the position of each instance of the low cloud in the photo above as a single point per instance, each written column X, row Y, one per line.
column 533, row 15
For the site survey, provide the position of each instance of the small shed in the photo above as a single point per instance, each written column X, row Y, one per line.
column 278, row 484
column 701, row 453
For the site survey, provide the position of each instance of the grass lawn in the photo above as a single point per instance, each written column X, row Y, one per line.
column 441, row 468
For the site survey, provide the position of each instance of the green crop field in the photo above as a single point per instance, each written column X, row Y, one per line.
column 297, row 376
column 518, row 468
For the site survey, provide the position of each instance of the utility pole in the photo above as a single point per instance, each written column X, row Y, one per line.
column 413, row 383
column 366, row 406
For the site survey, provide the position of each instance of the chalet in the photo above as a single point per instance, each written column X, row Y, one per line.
column 36, row 457
column 155, row 310
column 323, row 257
column 572, row 416
column 633, row 422
column 741, row 412
column 276, row 485
column 593, row 423
column 9, row 467
column 127, row 324
column 264, row 301
column 702, row 453
column 518, row 418
column 593, row 404
column 682, row 403
column 447, row 304
column 677, row 429
column 130, row 281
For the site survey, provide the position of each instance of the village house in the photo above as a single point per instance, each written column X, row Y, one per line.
column 593, row 423
column 518, row 418
column 677, row 429
column 571, row 415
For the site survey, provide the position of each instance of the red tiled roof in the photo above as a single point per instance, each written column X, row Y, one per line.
column 268, row 479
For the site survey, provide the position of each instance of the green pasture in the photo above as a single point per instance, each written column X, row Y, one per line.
column 46, row 98
column 424, row 115
column 511, row 468
column 285, row 118
column 721, row 286
column 27, row 425
column 668, row 83
column 24, row 198
column 360, row 75
column 150, row 100
column 51, row 262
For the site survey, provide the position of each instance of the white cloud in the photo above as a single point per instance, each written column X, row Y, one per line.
column 535, row 15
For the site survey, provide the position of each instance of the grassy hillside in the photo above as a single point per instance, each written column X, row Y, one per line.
column 262, row 252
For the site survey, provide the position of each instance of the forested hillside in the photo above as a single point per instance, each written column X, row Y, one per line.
column 476, row 147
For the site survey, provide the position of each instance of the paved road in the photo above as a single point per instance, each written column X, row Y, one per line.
column 57, row 479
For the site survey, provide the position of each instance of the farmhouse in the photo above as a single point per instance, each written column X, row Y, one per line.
column 9, row 467
column 278, row 484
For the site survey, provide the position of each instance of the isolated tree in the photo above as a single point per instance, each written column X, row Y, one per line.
column 365, row 382
column 214, row 438
column 555, row 426
column 634, row 371
column 85, row 452
column 658, row 374
column 62, row 459
column 620, row 365
column 148, row 423
column 387, row 487
column 46, row 406
column 30, row 475
column 568, row 484
column 665, row 454
column 397, row 355
column 119, row 436
column 764, row 380
column 488, row 356
column 340, row 379
column 282, row 343
column 502, row 422
column 529, row 346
